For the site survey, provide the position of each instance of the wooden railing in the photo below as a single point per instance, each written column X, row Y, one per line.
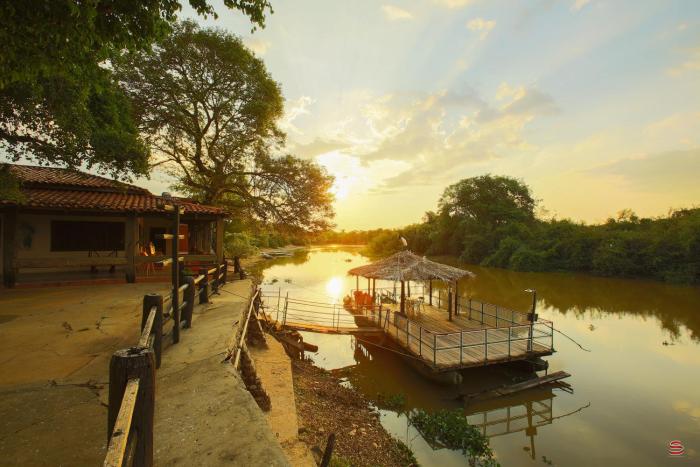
column 132, row 371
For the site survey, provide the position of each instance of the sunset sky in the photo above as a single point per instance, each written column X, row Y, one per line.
column 595, row 104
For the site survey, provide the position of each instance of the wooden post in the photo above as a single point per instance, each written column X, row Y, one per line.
column 219, row 248
column 403, row 298
column 456, row 297
column 9, row 250
column 188, row 297
column 368, row 284
column 409, row 288
column 149, row 301
column 176, row 274
column 225, row 278
column 430, row 292
column 128, row 364
column 357, row 283
column 374, row 291
column 449, row 304
column 131, row 246
column 204, row 286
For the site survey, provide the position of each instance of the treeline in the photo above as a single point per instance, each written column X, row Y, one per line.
column 352, row 237
column 491, row 221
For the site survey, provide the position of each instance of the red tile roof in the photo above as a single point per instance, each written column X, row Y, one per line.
column 56, row 188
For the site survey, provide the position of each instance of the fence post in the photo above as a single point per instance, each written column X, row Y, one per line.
column 449, row 305
column 204, row 286
column 439, row 298
column 188, row 297
column 127, row 364
column 486, row 345
column 215, row 281
column 149, row 301
column 435, row 348
column 420, row 341
column 408, row 342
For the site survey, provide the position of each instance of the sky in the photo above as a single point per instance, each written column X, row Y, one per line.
column 594, row 104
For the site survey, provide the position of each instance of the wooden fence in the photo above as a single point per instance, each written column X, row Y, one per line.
column 132, row 371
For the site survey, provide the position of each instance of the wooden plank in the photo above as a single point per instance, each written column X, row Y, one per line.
column 185, row 258
column 120, row 435
column 513, row 388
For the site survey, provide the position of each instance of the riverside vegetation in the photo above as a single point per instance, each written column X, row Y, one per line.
column 492, row 221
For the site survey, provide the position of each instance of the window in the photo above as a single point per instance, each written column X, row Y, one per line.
column 87, row 236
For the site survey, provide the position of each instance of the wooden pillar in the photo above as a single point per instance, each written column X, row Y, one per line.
column 131, row 246
column 150, row 301
column 219, row 240
column 449, row 303
column 456, row 297
column 204, row 286
column 430, row 292
column 175, row 266
column 188, row 297
column 369, row 282
column 127, row 364
column 374, row 290
column 9, row 248
column 357, row 283
column 403, row 298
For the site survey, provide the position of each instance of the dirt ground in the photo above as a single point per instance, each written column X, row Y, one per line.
column 325, row 407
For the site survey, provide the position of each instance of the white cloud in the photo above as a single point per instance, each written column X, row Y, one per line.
column 454, row 4
column 481, row 25
column 691, row 64
column 293, row 109
column 394, row 13
column 257, row 45
column 578, row 4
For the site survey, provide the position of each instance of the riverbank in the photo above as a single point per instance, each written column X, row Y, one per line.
column 325, row 406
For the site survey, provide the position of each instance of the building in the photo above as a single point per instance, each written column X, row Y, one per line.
column 78, row 225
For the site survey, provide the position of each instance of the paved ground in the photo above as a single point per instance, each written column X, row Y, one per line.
column 274, row 369
column 54, row 358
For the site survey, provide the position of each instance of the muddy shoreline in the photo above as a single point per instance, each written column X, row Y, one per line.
column 325, row 406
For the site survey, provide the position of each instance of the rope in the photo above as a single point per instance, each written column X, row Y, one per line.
column 571, row 339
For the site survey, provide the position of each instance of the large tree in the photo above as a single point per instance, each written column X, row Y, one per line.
column 58, row 101
column 209, row 110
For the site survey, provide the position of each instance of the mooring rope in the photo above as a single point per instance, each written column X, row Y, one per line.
column 571, row 339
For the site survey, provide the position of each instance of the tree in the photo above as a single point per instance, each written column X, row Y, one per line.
column 209, row 110
column 58, row 101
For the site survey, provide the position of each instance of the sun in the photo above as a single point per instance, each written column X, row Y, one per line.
column 341, row 187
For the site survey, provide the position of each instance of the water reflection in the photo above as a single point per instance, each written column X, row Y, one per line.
column 632, row 393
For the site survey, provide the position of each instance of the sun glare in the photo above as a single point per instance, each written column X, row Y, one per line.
column 341, row 187
column 334, row 287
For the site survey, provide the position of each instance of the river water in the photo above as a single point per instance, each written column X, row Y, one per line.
column 636, row 390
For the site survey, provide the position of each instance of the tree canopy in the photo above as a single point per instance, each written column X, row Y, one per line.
column 209, row 111
column 58, row 100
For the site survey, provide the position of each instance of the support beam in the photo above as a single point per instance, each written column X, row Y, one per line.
column 449, row 303
column 9, row 248
column 219, row 240
column 430, row 292
column 403, row 298
column 456, row 297
column 131, row 246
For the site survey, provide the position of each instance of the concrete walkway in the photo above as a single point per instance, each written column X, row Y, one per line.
column 204, row 414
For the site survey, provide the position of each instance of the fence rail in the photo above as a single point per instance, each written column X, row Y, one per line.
column 132, row 371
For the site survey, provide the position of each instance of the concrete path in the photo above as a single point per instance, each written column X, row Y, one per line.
column 204, row 414
column 274, row 369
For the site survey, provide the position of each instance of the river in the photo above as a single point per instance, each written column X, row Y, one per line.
column 637, row 389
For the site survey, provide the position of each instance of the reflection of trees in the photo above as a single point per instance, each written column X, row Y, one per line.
column 587, row 296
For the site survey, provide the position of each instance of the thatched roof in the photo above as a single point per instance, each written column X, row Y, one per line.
column 407, row 266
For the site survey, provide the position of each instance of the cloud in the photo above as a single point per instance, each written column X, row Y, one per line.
column 292, row 111
column 689, row 65
column 454, row 4
column 257, row 45
column 394, row 13
column 665, row 172
column 482, row 25
column 578, row 4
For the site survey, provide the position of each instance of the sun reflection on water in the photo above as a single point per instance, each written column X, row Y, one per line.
column 334, row 288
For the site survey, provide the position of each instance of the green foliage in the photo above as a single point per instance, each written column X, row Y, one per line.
column 392, row 401
column 210, row 111
column 338, row 461
column 385, row 243
column 664, row 248
column 449, row 428
column 238, row 244
column 404, row 453
column 59, row 102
